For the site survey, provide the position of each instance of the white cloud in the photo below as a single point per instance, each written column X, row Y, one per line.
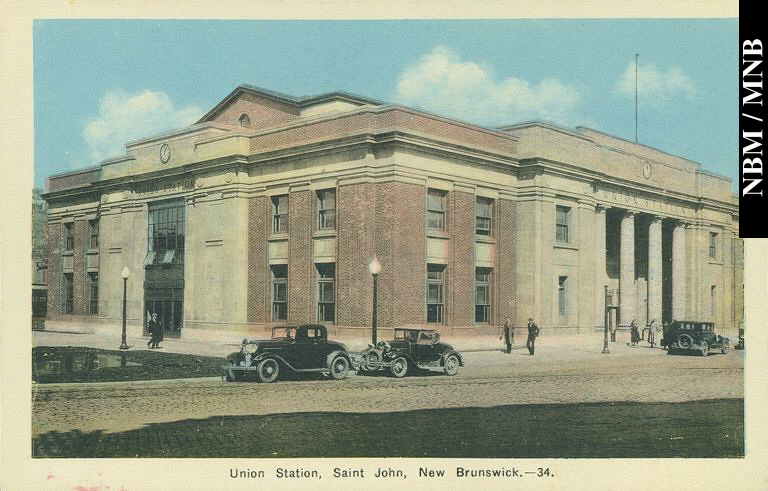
column 442, row 83
column 655, row 85
column 124, row 117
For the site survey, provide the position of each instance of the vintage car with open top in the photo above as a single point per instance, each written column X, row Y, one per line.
column 693, row 336
column 411, row 349
column 304, row 349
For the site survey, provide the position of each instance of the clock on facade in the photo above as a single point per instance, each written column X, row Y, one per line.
column 165, row 153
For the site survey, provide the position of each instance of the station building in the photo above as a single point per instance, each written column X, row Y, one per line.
column 269, row 209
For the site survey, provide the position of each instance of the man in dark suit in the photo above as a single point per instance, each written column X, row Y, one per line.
column 533, row 333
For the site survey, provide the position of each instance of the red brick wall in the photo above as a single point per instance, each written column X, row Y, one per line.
column 73, row 180
column 400, row 246
column 505, row 274
column 258, row 270
column 78, row 268
column 262, row 111
column 462, row 290
column 383, row 121
column 355, row 225
column 300, row 266
column 54, row 268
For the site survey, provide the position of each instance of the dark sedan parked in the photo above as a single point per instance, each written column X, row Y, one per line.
column 303, row 348
column 410, row 349
column 693, row 336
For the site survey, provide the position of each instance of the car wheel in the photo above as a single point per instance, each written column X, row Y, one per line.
column 339, row 368
column 685, row 341
column 268, row 370
column 451, row 366
column 724, row 348
column 399, row 367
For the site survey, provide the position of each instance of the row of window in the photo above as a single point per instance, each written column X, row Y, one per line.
column 326, row 300
column 326, row 211
column 68, row 236
column 91, row 291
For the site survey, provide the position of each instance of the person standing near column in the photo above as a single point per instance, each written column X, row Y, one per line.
column 533, row 333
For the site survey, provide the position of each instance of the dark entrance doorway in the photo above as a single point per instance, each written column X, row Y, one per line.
column 164, row 267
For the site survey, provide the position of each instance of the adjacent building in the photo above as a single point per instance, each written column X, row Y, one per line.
column 270, row 207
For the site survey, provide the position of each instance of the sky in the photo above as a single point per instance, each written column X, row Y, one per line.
column 101, row 84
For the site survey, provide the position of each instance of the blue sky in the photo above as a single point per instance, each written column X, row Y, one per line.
column 99, row 84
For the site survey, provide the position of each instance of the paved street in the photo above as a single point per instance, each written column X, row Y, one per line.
column 565, row 370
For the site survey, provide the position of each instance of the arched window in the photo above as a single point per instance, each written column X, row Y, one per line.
column 245, row 121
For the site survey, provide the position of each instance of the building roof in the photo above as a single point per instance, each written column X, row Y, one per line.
column 296, row 101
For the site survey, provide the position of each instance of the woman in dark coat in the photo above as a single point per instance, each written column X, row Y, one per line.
column 154, row 331
column 634, row 332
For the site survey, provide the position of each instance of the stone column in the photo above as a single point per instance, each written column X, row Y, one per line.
column 654, row 270
column 627, row 269
column 679, row 294
column 600, row 273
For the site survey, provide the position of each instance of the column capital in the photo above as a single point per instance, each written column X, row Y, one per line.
column 629, row 214
column 600, row 208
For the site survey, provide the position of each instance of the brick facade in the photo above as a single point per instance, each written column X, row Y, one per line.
column 258, row 269
column 78, row 268
column 505, row 279
column 462, row 288
column 400, row 243
column 54, row 268
column 356, row 220
column 300, row 265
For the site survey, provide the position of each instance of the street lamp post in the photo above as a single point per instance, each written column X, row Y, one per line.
column 375, row 268
column 605, row 328
column 124, row 274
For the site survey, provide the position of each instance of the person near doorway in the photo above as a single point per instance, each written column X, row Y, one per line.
column 634, row 333
column 533, row 333
column 652, row 331
column 154, row 331
column 509, row 335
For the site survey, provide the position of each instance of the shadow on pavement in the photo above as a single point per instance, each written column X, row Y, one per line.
column 704, row 429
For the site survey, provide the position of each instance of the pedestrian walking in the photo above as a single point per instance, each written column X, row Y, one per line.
column 633, row 333
column 154, row 331
column 533, row 333
column 508, row 335
column 652, row 329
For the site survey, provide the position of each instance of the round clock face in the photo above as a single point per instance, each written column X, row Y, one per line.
column 165, row 153
column 647, row 170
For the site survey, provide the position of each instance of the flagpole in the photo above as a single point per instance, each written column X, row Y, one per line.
column 636, row 56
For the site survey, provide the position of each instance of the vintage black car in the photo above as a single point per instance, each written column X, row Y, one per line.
column 303, row 348
column 409, row 350
column 694, row 336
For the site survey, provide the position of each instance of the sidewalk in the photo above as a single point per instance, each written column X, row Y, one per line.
column 212, row 343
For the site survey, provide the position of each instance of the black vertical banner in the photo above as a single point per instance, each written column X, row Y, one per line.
column 752, row 188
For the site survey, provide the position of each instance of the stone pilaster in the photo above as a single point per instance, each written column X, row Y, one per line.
column 601, row 278
column 627, row 269
column 654, row 269
column 679, row 293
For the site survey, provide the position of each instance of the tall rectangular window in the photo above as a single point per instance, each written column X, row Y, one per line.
column 562, row 222
column 93, row 293
column 279, row 292
column 482, row 295
column 713, row 300
column 712, row 245
column 93, row 234
column 562, row 295
column 69, row 237
column 326, row 306
column 435, row 302
column 69, row 293
column 280, row 214
column 483, row 216
column 436, row 209
column 165, row 233
column 326, row 209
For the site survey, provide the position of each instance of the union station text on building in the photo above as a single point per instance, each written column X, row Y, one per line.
column 270, row 207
